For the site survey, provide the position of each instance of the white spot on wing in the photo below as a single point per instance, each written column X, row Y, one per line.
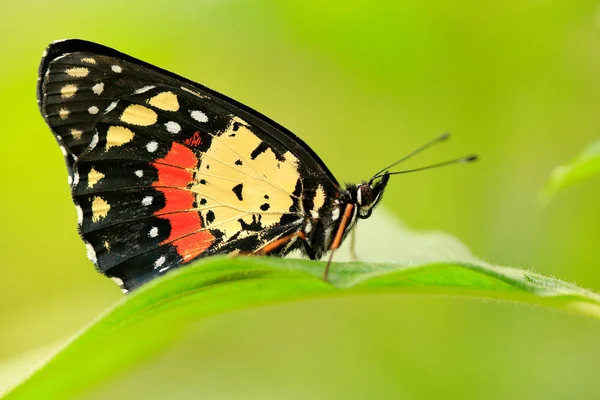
column 91, row 253
column 139, row 173
column 173, row 127
column 111, row 106
column 144, row 89
column 194, row 93
column 118, row 281
column 146, row 201
column 94, row 141
column 63, row 150
column 335, row 214
column 93, row 110
column 79, row 214
column 159, row 262
column 117, row 69
column 198, row 116
column 75, row 179
column 152, row 146
column 98, row 88
column 153, row 232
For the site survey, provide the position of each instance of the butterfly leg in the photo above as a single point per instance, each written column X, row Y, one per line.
column 282, row 241
column 353, row 255
column 337, row 240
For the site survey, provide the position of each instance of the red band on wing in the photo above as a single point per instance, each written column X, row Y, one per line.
column 176, row 167
column 195, row 140
column 188, row 244
column 176, row 200
column 180, row 156
column 193, row 245
column 175, row 170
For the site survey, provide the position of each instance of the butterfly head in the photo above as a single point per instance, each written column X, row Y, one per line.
column 368, row 194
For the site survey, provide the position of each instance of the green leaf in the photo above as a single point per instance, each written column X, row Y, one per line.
column 154, row 318
column 584, row 166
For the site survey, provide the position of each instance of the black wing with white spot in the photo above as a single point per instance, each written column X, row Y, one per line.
column 164, row 170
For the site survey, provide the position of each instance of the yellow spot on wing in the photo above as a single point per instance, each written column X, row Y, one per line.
column 139, row 115
column 165, row 101
column 117, row 136
column 319, row 199
column 93, row 177
column 100, row 209
column 76, row 133
column 63, row 113
column 77, row 72
column 106, row 245
column 68, row 91
column 88, row 60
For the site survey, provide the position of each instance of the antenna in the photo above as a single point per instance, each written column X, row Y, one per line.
column 438, row 139
column 461, row 160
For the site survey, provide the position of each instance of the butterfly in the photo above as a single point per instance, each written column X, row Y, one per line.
column 163, row 170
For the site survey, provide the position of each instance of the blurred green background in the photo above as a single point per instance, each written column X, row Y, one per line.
column 363, row 82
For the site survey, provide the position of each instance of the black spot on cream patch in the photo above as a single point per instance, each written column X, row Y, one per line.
column 265, row 206
column 261, row 148
column 237, row 189
column 210, row 217
column 238, row 162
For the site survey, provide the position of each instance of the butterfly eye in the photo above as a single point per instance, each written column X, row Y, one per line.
column 364, row 195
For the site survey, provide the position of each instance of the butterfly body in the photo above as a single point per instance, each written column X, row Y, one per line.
column 163, row 170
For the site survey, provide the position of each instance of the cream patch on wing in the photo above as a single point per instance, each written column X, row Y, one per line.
column 100, row 208
column 94, row 177
column 139, row 115
column 117, row 136
column 266, row 183
column 166, row 101
column 76, row 133
column 63, row 113
column 68, row 90
column 77, row 72
column 318, row 201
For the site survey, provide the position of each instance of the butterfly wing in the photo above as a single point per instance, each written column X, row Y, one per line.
column 163, row 170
